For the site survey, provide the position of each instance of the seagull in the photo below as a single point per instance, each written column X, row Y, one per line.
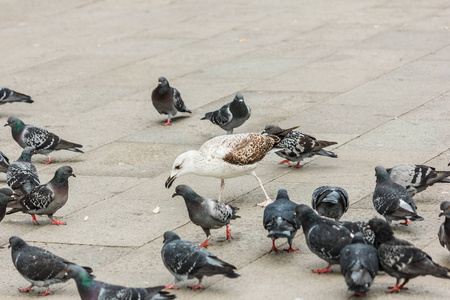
column 226, row 156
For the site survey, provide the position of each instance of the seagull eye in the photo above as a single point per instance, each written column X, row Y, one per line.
column 177, row 167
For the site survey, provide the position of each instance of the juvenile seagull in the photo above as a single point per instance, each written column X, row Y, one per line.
column 231, row 115
column 297, row 146
column 10, row 96
column 206, row 213
column 225, row 156
column 43, row 141
column 416, row 178
column 167, row 100
column 444, row 230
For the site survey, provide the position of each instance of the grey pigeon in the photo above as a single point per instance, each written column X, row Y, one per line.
column 10, row 96
column 330, row 201
column 206, row 213
column 39, row 266
column 444, row 230
column 363, row 228
column 231, row 115
column 279, row 220
column 6, row 195
column 91, row 289
column 324, row 237
column 186, row 260
column 4, row 162
column 43, row 141
column 392, row 200
column 47, row 198
column 401, row 259
column 296, row 146
column 22, row 175
column 416, row 178
column 167, row 100
column 359, row 265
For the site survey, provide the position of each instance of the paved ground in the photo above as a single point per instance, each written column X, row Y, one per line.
column 372, row 75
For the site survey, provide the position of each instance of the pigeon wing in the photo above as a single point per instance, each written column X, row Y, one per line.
column 40, row 138
column 39, row 198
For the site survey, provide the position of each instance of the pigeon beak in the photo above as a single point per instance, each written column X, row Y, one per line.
column 175, row 194
column 74, row 175
column 6, row 125
column 170, row 180
column 441, row 214
column 9, row 246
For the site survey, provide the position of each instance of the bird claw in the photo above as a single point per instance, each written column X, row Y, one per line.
column 406, row 222
column 290, row 249
column 298, row 165
column 196, row 287
column 167, row 123
column 47, row 292
column 171, row 287
column 326, row 270
column 358, row 294
column 395, row 289
column 265, row 203
column 26, row 290
column 205, row 244
column 55, row 222
column 49, row 161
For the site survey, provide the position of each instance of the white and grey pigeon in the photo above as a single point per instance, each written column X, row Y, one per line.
column 296, row 146
column 91, row 289
column 47, row 198
column 10, row 96
column 231, row 115
column 6, row 196
column 400, row 259
column 330, row 201
column 206, row 213
column 279, row 220
column 4, row 162
column 324, row 237
column 226, row 156
column 359, row 265
column 392, row 201
column 186, row 260
column 167, row 100
column 39, row 266
column 444, row 230
column 22, row 175
column 43, row 141
column 416, row 178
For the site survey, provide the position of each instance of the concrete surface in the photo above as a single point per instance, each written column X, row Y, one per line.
column 372, row 75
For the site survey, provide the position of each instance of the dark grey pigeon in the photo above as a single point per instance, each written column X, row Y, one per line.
column 416, row 178
column 330, row 201
column 167, row 100
column 401, row 259
column 186, row 260
column 359, row 265
column 22, row 175
column 43, row 141
column 4, row 162
column 296, row 146
column 361, row 227
column 91, row 289
column 392, row 200
column 231, row 115
column 6, row 195
column 444, row 230
column 324, row 237
column 47, row 198
column 39, row 266
column 206, row 213
column 10, row 96
column 279, row 220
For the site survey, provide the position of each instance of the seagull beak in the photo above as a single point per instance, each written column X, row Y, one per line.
column 170, row 180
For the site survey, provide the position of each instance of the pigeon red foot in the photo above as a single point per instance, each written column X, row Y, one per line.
column 171, row 287
column 167, row 123
column 229, row 236
column 274, row 248
column 397, row 288
column 290, row 249
column 205, row 244
column 47, row 292
column 34, row 219
column 358, row 294
column 49, row 161
column 27, row 289
column 55, row 222
column 406, row 222
column 325, row 270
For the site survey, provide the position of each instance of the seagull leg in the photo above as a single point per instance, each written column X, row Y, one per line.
column 27, row 289
column 274, row 248
column 222, row 186
column 229, row 236
column 34, row 219
column 49, row 161
column 198, row 286
column 406, row 222
column 47, row 292
column 167, row 123
column 326, row 270
column 268, row 200
column 171, row 287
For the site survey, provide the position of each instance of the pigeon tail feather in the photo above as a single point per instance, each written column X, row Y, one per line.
column 326, row 153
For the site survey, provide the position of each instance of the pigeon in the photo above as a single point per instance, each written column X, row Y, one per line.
column 206, row 213
column 231, row 115
column 359, row 265
column 167, row 100
column 22, row 175
column 39, row 266
column 324, row 237
column 401, row 259
column 6, row 195
column 444, row 230
column 362, row 227
column 226, row 156
column 10, row 96
column 47, row 198
column 186, row 260
column 279, row 220
column 43, row 141
column 392, row 200
column 330, row 201
column 91, row 289
column 296, row 146
column 416, row 178
column 4, row 162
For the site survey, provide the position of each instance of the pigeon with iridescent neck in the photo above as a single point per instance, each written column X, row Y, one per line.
column 22, row 176
column 10, row 96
